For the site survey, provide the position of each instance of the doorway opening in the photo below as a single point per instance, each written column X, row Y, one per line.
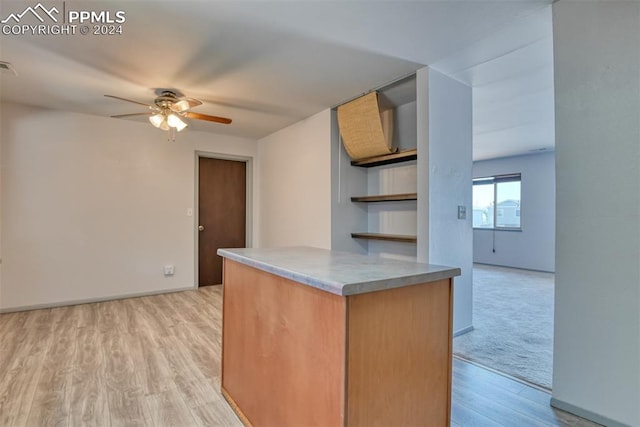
column 514, row 259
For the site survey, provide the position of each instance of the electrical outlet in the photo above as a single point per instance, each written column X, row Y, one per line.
column 168, row 270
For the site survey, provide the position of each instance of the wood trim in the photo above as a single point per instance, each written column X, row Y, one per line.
column 399, row 356
column 386, row 237
column 222, row 334
column 236, row 408
column 386, row 198
column 387, row 159
column 345, row 378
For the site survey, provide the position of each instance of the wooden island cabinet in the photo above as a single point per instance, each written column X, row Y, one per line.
column 320, row 338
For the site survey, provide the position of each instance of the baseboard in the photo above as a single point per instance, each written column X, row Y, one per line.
column 463, row 331
column 93, row 300
column 584, row 413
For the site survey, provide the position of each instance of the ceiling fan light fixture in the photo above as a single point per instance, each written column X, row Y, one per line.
column 156, row 119
column 181, row 105
column 168, row 112
column 175, row 122
column 181, row 126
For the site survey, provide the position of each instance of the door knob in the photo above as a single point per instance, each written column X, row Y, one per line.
column 201, row 228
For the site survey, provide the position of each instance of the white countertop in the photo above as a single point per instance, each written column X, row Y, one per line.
column 341, row 273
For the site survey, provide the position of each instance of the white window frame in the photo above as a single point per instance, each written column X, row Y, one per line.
column 495, row 180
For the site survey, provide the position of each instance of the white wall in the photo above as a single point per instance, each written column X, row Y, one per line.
column 93, row 207
column 532, row 248
column 393, row 217
column 449, row 178
column 597, row 315
column 295, row 184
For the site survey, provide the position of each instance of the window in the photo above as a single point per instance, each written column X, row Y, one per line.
column 496, row 202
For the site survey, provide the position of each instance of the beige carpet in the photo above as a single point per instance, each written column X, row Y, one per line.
column 513, row 323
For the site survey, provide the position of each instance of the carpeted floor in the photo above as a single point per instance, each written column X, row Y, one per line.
column 513, row 323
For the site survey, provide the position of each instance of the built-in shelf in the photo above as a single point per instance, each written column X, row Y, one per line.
column 387, row 159
column 386, row 198
column 386, row 237
column 377, row 208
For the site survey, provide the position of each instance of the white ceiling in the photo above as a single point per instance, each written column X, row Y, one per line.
column 268, row 64
column 511, row 72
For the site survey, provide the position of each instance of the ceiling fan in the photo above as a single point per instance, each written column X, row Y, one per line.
column 168, row 112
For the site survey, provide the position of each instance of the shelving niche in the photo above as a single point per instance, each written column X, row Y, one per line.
column 388, row 199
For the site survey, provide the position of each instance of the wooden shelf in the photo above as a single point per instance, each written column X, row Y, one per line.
column 386, row 237
column 386, row 198
column 387, row 159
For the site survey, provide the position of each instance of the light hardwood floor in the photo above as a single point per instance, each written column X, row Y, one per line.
column 156, row 361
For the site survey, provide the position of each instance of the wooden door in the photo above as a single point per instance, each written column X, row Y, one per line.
column 222, row 214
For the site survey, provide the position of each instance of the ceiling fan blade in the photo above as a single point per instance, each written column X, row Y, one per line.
column 119, row 116
column 207, row 117
column 185, row 104
column 130, row 100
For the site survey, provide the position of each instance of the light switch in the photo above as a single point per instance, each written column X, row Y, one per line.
column 189, row 212
column 462, row 212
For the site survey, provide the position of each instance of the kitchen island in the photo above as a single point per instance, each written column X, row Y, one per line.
column 313, row 337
